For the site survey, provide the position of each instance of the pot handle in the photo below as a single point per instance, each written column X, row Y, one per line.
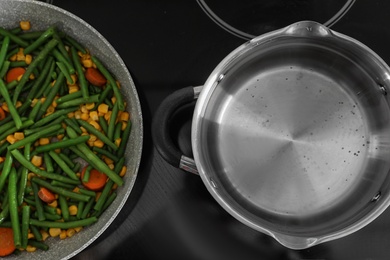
column 310, row 28
column 161, row 124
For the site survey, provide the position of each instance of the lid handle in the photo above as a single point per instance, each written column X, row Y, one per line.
column 308, row 28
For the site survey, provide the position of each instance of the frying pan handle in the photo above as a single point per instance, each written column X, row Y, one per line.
column 161, row 126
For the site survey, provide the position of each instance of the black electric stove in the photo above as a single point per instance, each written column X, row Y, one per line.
column 171, row 44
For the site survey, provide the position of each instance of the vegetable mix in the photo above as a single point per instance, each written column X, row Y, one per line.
column 63, row 132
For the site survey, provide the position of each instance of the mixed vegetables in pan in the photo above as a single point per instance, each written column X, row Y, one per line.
column 63, row 132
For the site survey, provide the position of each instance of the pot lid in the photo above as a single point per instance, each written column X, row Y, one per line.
column 248, row 19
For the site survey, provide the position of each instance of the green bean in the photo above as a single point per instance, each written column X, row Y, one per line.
column 13, row 207
column 46, row 208
column 75, row 44
column 38, row 244
column 66, row 159
column 91, row 129
column 87, row 208
column 33, row 137
column 103, row 124
column 36, row 233
column 30, row 35
column 87, row 173
column 61, row 163
column 103, row 196
column 61, row 191
column 49, row 216
column 87, row 192
column 13, row 37
column 125, row 138
column 112, row 82
column 80, row 73
column 25, row 123
column 6, row 170
column 106, row 153
column 96, row 162
column 3, row 50
column 56, row 121
column 11, row 106
column 62, row 144
column 4, row 69
column 51, row 95
column 64, row 207
column 65, row 61
column 48, row 162
column 41, row 78
column 53, row 116
column 35, row 110
column 108, row 202
column 23, row 161
column 4, row 214
column 41, row 39
column 63, row 185
column 65, row 71
column 45, row 51
column 38, row 202
column 63, row 225
column 78, row 101
column 25, row 225
column 20, row 63
column 23, row 177
column 111, row 124
column 80, row 208
column 68, row 97
column 76, row 167
column 117, row 131
column 47, row 82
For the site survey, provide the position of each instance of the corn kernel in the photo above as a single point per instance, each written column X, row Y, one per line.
column 77, row 114
column 113, row 100
column 2, row 159
column 92, row 138
column 74, row 79
column 50, row 110
column 54, row 204
column 31, row 248
column 124, row 116
column 124, row 125
column 25, row 25
column 58, row 211
column 118, row 141
column 76, row 189
column 111, row 166
column 37, row 160
column 73, row 88
column 28, row 59
column 44, row 234
column 70, row 232
column 103, row 108
column 12, row 58
column 95, row 124
column 11, row 139
column 87, row 63
column 73, row 210
column 32, row 76
column 30, row 175
column 44, row 141
column 63, row 234
column 90, row 106
column 54, row 232
column 98, row 195
column 78, row 229
column 30, row 235
column 107, row 116
column 114, row 186
column 4, row 106
column 18, row 104
column 60, row 136
column 94, row 116
column 123, row 171
column 98, row 143
column 20, row 55
column 108, row 160
column 83, row 130
column 71, row 115
column 19, row 135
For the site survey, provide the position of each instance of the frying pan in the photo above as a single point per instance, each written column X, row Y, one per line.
column 41, row 16
column 291, row 134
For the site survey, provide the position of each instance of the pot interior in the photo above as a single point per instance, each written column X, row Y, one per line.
column 294, row 138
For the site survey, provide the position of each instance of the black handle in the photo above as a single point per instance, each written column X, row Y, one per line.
column 161, row 126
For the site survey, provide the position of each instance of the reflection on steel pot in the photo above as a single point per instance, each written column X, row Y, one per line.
column 291, row 134
column 41, row 16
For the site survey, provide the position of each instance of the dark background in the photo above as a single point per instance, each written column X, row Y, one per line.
column 170, row 44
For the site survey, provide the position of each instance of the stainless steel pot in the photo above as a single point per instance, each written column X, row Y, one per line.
column 42, row 16
column 291, row 134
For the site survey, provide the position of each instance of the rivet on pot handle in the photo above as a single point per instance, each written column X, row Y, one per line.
column 305, row 28
column 161, row 125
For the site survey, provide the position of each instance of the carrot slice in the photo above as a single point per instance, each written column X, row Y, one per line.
column 46, row 195
column 2, row 114
column 96, row 180
column 95, row 77
column 7, row 245
column 14, row 73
